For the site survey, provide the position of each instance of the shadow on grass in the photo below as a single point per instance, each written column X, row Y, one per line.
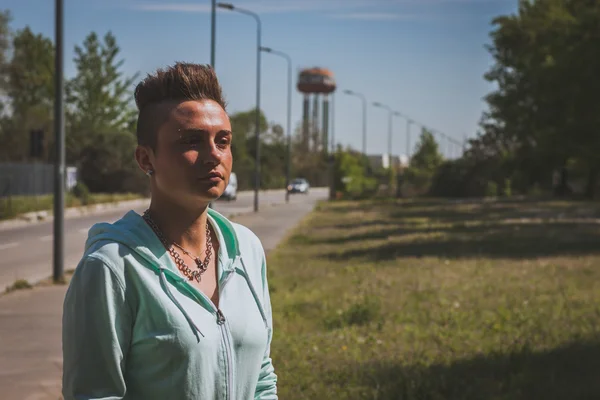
column 469, row 229
column 363, row 224
column 566, row 373
column 466, row 211
column 514, row 241
column 483, row 212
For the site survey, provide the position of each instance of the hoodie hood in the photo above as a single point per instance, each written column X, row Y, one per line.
column 134, row 326
column 133, row 232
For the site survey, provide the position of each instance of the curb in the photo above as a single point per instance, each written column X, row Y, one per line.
column 35, row 217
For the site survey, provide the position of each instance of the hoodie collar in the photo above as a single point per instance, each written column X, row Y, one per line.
column 133, row 232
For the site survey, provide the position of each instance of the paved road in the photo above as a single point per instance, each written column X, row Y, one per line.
column 30, row 320
column 26, row 251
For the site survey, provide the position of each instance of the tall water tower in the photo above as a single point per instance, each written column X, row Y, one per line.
column 316, row 82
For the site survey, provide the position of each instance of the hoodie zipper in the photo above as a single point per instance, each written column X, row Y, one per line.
column 227, row 342
column 224, row 334
column 225, row 337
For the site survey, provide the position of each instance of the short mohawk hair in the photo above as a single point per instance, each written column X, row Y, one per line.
column 180, row 82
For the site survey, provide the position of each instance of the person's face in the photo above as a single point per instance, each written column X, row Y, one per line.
column 192, row 162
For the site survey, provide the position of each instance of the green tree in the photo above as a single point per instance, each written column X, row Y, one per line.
column 29, row 88
column 5, row 40
column 244, row 146
column 351, row 174
column 100, row 136
column 427, row 156
column 99, row 96
column 544, row 111
column 30, row 73
column 273, row 158
column 424, row 163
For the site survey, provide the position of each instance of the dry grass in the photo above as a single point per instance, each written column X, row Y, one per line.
column 439, row 300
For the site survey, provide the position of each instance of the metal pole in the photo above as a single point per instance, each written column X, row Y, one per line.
column 408, row 150
column 59, row 162
column 325, row 124
column 231, row 7
column 364, row 128
column 333, row 147
column 257, row 167
column 213, row 23
column 390, row 115
column 288, row 170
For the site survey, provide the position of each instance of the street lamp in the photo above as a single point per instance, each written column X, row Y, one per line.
column 364, row 128
column 445, row 146
column 409, row 122
column 213, row 23
column 439, row 136
column 231, row 7
column 288, row 169
column 396, row 114
column 390, row 114
column 59, row 132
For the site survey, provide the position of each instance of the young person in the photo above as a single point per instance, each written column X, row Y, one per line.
column 174, row 303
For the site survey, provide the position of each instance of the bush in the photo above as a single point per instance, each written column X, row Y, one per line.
column 352, row 176
column 108, row 165
column 450, row 180
column 507, row 187
column 81, row 191
column 492, row 189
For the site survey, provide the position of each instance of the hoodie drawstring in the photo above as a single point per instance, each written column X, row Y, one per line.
column 165, row 286
column 262, row 312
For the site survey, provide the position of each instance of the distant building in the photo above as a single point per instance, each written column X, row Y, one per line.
column 383, row 161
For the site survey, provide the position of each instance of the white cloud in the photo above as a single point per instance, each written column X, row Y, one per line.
column 259, row 6
column 287, row 6
column 374, row 16
column 175, row 7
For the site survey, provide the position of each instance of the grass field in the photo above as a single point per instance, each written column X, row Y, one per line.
column 439, row 300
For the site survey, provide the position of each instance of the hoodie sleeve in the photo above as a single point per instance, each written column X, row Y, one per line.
column 97, row 325
column 266, row 389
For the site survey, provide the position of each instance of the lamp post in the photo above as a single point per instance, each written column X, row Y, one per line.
column 392, row 182
column 213, row 23
column 288, row 169
column 231, row 7
column 364, row 127
column 409, row 122
column 390, row 114
column 59, row 132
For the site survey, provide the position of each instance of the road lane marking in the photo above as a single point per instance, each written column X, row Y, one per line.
column 46, row 238
column 8, row 245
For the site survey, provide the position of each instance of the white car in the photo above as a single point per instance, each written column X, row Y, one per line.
column 230, row 192
column 298, row 185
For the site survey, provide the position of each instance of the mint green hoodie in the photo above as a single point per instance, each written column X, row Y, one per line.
column 134, row 328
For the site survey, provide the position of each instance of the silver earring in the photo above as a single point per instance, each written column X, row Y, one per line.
column 150, row 172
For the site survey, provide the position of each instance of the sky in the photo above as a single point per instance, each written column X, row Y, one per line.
column 423, row 58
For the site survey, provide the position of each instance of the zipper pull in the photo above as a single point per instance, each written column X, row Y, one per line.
column 220, row 317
